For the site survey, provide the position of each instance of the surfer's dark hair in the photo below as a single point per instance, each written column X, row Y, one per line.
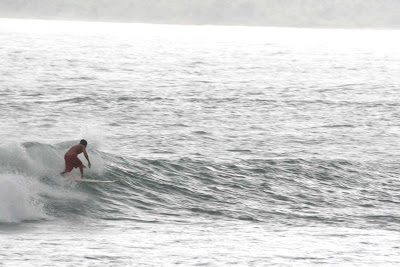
column 83, row 142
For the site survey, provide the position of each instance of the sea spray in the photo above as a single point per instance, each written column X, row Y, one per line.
column 19, row 199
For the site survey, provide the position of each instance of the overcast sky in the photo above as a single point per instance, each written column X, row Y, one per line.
column 297, row 13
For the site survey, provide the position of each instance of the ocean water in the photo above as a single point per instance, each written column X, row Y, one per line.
column 231, row 146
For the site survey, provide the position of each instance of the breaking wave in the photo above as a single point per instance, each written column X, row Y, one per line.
column 289, row 191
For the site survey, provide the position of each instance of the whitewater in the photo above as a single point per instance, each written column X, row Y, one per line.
column 231, row 146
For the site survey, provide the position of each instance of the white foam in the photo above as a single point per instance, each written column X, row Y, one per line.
column 19, row 199
column 14, row 158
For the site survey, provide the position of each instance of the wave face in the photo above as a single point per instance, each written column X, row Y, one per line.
column 283, row 191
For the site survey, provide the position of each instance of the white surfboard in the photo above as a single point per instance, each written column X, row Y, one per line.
column 90, row 180
column 95, row 181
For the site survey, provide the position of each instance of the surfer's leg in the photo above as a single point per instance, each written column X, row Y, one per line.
column 64, row 172
column 68, row 166
column 81, row 169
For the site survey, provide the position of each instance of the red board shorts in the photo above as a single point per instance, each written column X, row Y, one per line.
column 72, row 161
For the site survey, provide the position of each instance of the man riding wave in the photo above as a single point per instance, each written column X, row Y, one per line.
column 72, row 160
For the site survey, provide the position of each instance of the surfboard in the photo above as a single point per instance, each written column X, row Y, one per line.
column 90, row 180
column 95, row 181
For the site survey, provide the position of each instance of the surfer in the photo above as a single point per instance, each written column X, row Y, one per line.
column 72, row 160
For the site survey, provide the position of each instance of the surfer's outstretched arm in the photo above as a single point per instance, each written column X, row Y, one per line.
column 87, row 157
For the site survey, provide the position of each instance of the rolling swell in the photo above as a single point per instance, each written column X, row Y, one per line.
column 291, row 191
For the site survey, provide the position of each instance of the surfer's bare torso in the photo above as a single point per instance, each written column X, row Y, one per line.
column 75, row 150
